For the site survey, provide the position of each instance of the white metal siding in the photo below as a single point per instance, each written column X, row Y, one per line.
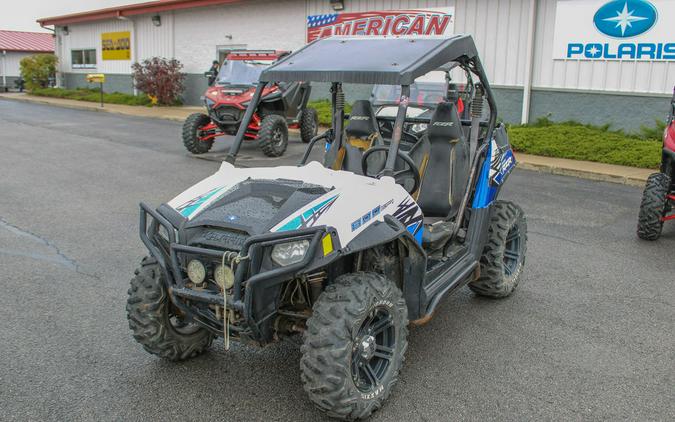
column 10, row 63
column 622, row 76
column 257, row 25
column 498, row 26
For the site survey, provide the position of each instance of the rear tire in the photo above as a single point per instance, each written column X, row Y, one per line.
column 309, row 124
column 273, row 135
column 154, row 322
column 504, row 253
column 653, row 206
column 347, row 370
column 192, row 133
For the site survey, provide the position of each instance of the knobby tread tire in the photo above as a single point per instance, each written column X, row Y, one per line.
column 148, row 314
column 190, row 128
column 328, row 340
column 493, row 281
column 653, row 206
column 309, row 124
column 269, row 124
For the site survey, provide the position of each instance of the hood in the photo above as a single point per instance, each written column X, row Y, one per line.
column 258, row 200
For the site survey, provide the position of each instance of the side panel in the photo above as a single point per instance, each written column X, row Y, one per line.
column 496, row 168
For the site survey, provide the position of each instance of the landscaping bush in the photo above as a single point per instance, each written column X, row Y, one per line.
column 161, row 79
column 323, row 109
column 586, row 142
column 92, row 95
column 37, row 69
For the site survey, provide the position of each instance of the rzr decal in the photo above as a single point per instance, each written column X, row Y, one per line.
column 501, row 165
column 309, row 217
column 408, row 213
column 188, row 208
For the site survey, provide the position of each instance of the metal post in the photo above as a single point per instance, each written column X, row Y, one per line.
column 398, row 131
column 243, row 126
column 527, row 86
column 4, row 69
column 101, row 90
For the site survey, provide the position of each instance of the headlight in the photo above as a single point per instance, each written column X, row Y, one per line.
column 224, row 277
column 289, row 253
column 196, row 271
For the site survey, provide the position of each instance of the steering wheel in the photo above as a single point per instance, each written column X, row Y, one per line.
column 399, row 175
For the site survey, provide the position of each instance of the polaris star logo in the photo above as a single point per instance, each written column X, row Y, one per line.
column 625, row 18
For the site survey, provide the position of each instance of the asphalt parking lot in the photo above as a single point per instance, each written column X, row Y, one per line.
column 588, row 335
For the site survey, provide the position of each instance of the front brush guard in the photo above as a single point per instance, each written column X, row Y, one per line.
column 250, row 259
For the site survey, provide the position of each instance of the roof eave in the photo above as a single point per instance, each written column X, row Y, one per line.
column 129, row 10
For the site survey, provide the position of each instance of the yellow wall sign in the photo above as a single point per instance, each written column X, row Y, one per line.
column 116, row 45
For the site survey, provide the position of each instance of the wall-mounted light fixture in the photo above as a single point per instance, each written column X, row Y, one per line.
column 65, row 30
column 337, row 4
column 229, row 37
column 157, row 20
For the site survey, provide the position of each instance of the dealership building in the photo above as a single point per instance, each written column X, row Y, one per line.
column 593, row 61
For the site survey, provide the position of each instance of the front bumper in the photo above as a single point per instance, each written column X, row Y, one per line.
column 253, row 295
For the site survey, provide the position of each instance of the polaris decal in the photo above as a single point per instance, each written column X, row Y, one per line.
column 310, row 216
column 189, row 207
column 409, row 214
column 370, row 215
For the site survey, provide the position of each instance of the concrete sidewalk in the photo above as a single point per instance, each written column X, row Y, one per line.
column 584, row 169
column 178, row 114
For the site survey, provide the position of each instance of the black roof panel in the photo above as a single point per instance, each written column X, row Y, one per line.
column 369, row 60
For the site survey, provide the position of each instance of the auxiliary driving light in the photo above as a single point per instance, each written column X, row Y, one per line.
column 224, row 277
column 196, row 271
column 290, row 253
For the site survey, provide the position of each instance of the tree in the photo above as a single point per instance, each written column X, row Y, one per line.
column 37, row 69
column 161, row 79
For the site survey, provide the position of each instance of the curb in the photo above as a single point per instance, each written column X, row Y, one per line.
column 582, row 174
column 87, row 108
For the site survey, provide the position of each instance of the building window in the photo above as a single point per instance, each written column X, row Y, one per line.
column 83, row 59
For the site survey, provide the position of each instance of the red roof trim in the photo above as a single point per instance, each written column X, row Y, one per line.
column 131, row 10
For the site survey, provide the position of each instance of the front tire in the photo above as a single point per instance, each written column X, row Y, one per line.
column 504, row 253
column 273, row 135
column 309, row 124
column 154, row 321
column 192, row 133
column 653, row 206
column 354, row 345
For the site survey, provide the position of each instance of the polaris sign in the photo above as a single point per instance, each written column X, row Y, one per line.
column 615, row 30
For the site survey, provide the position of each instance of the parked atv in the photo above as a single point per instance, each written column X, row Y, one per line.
column 283, row 106
column 347, row 253
column 658, row 199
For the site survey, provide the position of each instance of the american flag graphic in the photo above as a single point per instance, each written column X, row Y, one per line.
column 413, row 22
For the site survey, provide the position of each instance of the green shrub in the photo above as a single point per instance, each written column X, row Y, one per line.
column 37, row 69
column 92, row 95
column 323, row 109
column 585, row 142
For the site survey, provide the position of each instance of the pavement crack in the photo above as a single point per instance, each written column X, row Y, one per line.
column 557, row 237
column 61, row 258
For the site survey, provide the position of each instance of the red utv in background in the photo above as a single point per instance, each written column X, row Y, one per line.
column 283, row 106
column 658, row 199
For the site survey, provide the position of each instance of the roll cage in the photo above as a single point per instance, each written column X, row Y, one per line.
column 382, row 61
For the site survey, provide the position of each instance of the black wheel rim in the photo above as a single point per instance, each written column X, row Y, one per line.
column 277, row 137
column 512, row 251
column 373, row 350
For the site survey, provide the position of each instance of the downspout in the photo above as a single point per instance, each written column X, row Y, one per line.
column 134, row 52
column 4, row 69
column 527, row 85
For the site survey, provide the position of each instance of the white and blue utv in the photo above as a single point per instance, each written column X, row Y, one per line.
column 349, row 250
